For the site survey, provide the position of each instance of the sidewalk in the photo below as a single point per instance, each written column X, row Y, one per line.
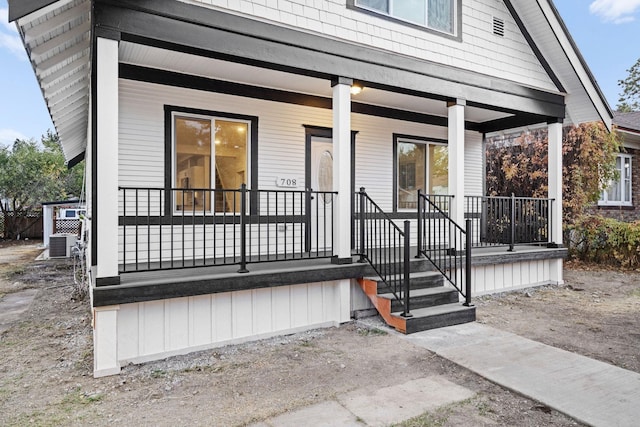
column 587, row 390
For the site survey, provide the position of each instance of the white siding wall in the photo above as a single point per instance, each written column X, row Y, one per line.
column 508, row 57
column 281, row 144
column 281, row 138
column 154, row 330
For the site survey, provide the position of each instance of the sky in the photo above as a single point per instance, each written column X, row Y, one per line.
column 607, row 33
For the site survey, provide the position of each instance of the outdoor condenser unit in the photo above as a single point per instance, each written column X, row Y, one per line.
column 60, row 245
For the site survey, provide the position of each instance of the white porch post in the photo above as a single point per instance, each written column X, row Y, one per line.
column 107, row 154
column 555, row 192
column 456, row 159
column 342, row 169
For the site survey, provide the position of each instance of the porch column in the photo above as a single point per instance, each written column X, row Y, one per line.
column 456, row 159
column 106, row 173
column 342, row 169
column 555, row 179
column 555, row 192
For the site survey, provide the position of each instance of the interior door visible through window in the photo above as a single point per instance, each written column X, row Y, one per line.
column 322, row 204
column 210, row 153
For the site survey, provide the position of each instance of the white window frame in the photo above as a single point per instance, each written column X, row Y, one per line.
column 454, row 24
column 212, row 119
column 604, row 196
column 427, row 171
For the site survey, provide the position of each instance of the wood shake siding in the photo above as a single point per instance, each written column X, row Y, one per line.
column 509, row 57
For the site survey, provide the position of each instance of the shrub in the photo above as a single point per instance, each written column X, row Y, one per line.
column 594, row 238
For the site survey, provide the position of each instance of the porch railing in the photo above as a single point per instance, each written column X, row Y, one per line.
column 509, row 220
column 445, row 243
column 385, row 247
column 204, row 227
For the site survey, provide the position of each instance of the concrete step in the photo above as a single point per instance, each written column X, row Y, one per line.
column 437, row 317
column 424, row 297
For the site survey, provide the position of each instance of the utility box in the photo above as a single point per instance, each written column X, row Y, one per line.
column 61, row 244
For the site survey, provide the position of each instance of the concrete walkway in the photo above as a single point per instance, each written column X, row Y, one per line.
column 375, row 406
column 587, row 390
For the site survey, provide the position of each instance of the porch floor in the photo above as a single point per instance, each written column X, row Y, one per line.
column 182, row 282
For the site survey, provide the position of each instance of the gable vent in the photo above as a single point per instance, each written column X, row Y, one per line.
column 498, row 27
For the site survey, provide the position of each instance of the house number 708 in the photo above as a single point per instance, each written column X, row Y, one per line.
column 286, row 181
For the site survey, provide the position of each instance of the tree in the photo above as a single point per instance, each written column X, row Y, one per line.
column 30, row 173
column 630, row 96
column 518, row 165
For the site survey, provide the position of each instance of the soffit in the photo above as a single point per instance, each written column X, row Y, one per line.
column 57, row 39
column 153, row 57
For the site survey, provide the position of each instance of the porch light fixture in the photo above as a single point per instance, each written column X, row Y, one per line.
column 356, row 88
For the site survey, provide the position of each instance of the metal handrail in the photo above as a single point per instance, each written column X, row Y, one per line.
column 510, row 220
column 445, row 244
column 385, row 247
column 198, row 227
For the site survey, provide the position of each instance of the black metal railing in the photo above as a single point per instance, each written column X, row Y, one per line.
column 204, row 227
column 445, row 244
column 385, row 247
column 501, row 221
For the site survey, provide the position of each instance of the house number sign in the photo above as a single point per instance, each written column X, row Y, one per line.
column 286, row 181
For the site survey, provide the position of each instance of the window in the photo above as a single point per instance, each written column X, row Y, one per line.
column 435, row 14
column 619, row 192
column 420, row 165
column 208, row 153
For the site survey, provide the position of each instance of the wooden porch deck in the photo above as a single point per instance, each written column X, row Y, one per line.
column 164, row 284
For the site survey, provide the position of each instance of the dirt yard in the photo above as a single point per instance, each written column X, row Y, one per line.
column 45, row 374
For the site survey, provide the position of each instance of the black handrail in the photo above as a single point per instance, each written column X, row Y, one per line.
column 445, row 244
column 385, row 247
column 199, row 227
column 508, row 221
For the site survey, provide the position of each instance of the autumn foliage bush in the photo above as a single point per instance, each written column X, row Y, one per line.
column 517, row 164
column 593, row 238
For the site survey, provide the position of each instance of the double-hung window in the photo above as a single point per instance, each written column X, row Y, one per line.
column 619, row 192
column 420, row 165
column 210, row 159
column 438, row 15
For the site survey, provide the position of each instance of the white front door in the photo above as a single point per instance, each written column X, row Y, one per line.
column 321, row 204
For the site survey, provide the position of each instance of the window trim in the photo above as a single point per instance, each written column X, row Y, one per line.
column 604, row 195
column 399, row 138
column 171, row 111
column 457, row 25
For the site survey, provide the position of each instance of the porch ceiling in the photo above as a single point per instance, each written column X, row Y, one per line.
column 57, row 39
column 185, row 63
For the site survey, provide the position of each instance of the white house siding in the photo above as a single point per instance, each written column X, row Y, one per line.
column 494, row 278
column 509, row 57
column 139, row 332
column 281, row 138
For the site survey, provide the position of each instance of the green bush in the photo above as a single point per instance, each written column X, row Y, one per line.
column 597, row 239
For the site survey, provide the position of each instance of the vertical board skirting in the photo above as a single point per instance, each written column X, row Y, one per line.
column 221, row 309
column 492, row 278
column 158, row 329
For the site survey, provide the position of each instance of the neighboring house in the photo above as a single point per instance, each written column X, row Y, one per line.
column 225, row 142
column 620, row 200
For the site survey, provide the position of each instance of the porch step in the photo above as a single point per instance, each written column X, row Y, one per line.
column 418, row 280
column 437, row 317
column 425, row 297
column 431, row 303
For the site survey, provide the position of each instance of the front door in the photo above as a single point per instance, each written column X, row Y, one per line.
column 321, row 208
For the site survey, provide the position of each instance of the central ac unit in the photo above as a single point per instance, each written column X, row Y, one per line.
column 61, row 244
